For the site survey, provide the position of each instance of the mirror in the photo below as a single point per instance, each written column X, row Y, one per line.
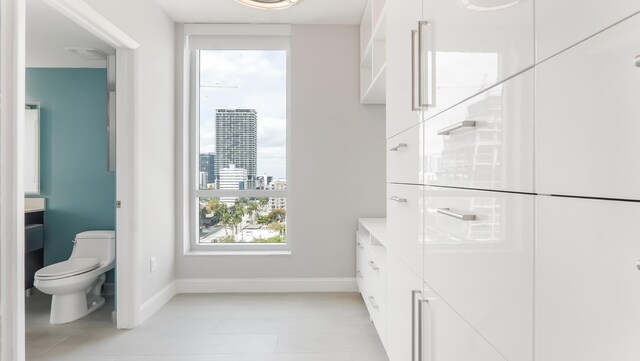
column 32, row 149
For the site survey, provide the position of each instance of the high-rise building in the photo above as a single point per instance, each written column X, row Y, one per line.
column 232, row 178
column 207, row 165
column 237, row 142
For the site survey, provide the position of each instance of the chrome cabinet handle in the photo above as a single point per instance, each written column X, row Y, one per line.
column 463, row 124
column 422, row 91
column 457, row 214
column 373, row 266
column 413, row 71
column 414, row 293
column 360, row 245
column 398, row 199
column 636, row 61
column 397, row 147
column 372, row 302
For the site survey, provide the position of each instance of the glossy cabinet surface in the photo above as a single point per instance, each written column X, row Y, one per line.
column 405, row 224
column 402, row 18
column 555, row 33
column 447, row 337
column 587, row 280
column 404, row 156
column 493, row 146
column 483, row 266
column 401, row 316
column 587, row 117
column 472, row 45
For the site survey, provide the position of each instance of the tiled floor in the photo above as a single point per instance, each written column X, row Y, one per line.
column 228, row 327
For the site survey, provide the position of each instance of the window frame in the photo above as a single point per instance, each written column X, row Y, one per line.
column 231, row 37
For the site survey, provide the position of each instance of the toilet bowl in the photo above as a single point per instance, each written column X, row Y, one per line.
column 76, row 284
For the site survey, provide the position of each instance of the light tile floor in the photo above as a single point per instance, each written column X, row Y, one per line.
column 225, row 327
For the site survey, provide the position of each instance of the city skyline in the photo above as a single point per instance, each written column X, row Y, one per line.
column 247, row 79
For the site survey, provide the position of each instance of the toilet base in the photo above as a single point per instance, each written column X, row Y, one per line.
column 72, row 306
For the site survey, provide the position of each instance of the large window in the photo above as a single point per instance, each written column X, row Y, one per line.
column 239, row 173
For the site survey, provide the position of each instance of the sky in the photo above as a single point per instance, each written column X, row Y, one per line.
column 247, row 79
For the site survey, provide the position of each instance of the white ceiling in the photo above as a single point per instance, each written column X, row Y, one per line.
column 49, row 32
column 230, row 11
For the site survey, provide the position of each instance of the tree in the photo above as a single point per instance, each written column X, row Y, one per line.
column 236, row 217
column 278, row 227
column 223, row 212
column 252, row 209
column 277, row 215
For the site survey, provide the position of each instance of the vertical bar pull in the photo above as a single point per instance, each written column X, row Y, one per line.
column 414, row 107
column 429, row 346
column 422, row 90
column 414, row 293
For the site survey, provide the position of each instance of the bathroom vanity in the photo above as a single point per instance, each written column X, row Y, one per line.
column 34, row 238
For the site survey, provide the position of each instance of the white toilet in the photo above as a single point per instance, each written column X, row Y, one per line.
column 76, row 284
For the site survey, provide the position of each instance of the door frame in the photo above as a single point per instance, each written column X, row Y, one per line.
column 12, row 73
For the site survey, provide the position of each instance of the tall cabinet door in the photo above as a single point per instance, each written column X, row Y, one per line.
column 473, row 45
column 405, row 224
column 587, row 117
column 587, row 280
column 404, row 289
column 402, row 22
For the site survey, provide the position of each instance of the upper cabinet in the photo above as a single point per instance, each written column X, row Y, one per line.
column 587, row 117
column 373, row 55
column 470, row 45
column 588, row 17
column 402, row 18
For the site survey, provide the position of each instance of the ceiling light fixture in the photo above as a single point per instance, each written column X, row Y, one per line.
column 270, row 4
column 489, row 5
column 88, row 53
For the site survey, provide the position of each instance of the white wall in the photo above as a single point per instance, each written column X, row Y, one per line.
column 154, row 153
column 337, row 165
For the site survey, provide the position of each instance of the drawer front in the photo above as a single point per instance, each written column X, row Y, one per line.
column 479, row 258
column 447, row 337
column 587, row 117
column 361, row 244
column 587, row 18
column 486, row 142
column 404, row 156
column 587, row 280
column 471, row 46
column 404, row 224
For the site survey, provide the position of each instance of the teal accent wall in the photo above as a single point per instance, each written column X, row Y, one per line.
column 80, row 192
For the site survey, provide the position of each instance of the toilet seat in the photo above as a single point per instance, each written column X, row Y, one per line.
column 71, row 267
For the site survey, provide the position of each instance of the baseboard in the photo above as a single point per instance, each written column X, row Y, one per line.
column 153, row 304
column 264, row 285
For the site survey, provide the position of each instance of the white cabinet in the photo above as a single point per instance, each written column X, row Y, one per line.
column 587, row 117
column 371, row 270
column 562, row 23
column 404, row 212
column 447, row 337
column 373, row 53
column 404, row 288
column 478, row 249
column 402, row 18
column 404, row 156
column 587, row 280
column 471, row 45
column 486, row 142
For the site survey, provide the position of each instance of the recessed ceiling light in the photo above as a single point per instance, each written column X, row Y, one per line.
column 270, row 4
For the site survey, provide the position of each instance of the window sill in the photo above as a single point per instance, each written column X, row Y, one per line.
column 239, row 253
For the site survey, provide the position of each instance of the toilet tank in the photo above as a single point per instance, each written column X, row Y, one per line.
column 95, row 244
